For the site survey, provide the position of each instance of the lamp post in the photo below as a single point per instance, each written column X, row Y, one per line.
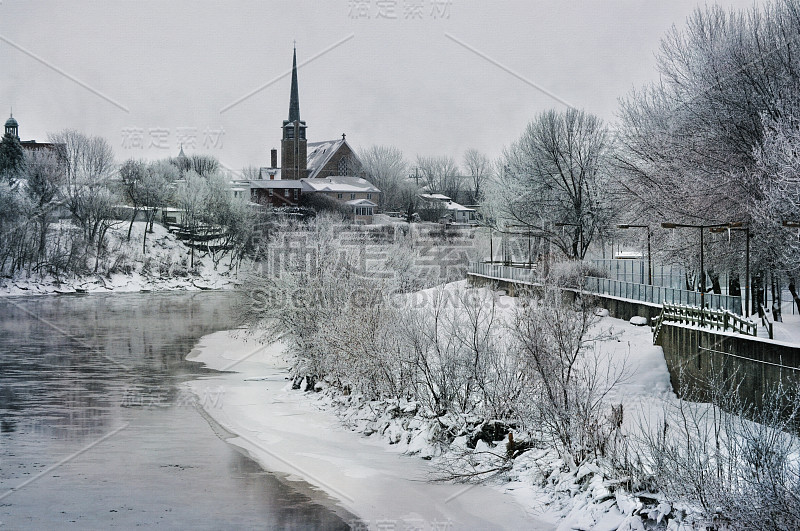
column 649, row 256
column 748, row 293
column 702, row 264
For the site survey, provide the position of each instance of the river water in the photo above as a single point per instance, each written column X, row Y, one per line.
column 97, row 430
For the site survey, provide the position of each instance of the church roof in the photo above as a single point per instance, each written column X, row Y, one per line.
column 319, row 153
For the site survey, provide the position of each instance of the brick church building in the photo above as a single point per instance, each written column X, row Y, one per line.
column 312, row 167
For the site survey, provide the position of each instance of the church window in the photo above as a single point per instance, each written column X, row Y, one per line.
column 343, row 166
column 286, row 193
column 338, row 196
column 352, row 196
column 369, row 196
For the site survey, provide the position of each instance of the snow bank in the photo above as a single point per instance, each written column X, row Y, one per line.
column 289, row 433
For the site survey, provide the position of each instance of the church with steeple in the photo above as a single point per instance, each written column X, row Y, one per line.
column 329, row 167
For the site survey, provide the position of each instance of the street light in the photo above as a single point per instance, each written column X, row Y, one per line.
column 748, row 293
column 649, row 257
column 702, row 263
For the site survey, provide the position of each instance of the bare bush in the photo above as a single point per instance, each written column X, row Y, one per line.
column 737, row 465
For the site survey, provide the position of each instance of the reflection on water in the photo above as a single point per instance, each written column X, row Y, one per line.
column 73, row 369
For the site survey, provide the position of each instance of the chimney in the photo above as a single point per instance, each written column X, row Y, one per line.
column 274, row 158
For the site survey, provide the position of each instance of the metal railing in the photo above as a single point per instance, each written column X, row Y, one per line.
column 660, row 294
column 503, row 272
column 614, row 288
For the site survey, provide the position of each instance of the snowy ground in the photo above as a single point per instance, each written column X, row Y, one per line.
column 165, row 266
column 306, row 435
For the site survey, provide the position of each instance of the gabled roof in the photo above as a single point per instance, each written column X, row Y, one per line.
column 320, row 153
column 452, row 205
column 339, row 184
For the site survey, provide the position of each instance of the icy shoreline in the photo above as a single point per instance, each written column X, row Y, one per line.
column 288, row 433
column 116, row 283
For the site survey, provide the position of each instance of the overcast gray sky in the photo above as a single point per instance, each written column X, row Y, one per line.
column 432, row 77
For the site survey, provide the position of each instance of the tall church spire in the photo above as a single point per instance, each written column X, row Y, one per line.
column 293, row 143
column 294, row 100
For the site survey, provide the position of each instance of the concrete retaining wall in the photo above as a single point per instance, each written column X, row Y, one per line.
column 759, row 364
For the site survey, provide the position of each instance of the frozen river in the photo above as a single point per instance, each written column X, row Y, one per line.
column 97, row 429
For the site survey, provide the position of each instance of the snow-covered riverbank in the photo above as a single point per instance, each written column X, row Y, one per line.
column 307, row 435
column 287, row 432
column 165, row 266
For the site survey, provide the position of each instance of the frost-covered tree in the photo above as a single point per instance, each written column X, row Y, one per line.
column 387, row 169
column 89, row 165
column 555, row 179
column 440, row 175
column 687, row 143
column 12, row 158
column 478, row 168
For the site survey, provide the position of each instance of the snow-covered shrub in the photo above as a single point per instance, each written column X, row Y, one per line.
column 570, row 274
column 733, row 464
column 563, row 402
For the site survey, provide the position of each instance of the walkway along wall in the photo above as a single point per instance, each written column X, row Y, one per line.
column 760, row 364
column 617, row 307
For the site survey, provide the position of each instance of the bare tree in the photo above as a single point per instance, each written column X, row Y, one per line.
column 555, row 179
column 478, row 167
column 45, row 175
column 387, row 169
column 441, row 175
column 89, row 164
column 132, row 172
column 687, row 143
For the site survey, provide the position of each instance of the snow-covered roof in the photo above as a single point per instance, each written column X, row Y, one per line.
column 361, row 202
column 627, row 255
column 438, row 197
column 339, row 184
column 277, row 183
column 452, row 205
column 319, row 153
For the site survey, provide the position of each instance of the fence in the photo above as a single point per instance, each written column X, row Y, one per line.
column 721, row 320
column 660, row 294
column 503, row 272
column 613, row 288
column 634, row 270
